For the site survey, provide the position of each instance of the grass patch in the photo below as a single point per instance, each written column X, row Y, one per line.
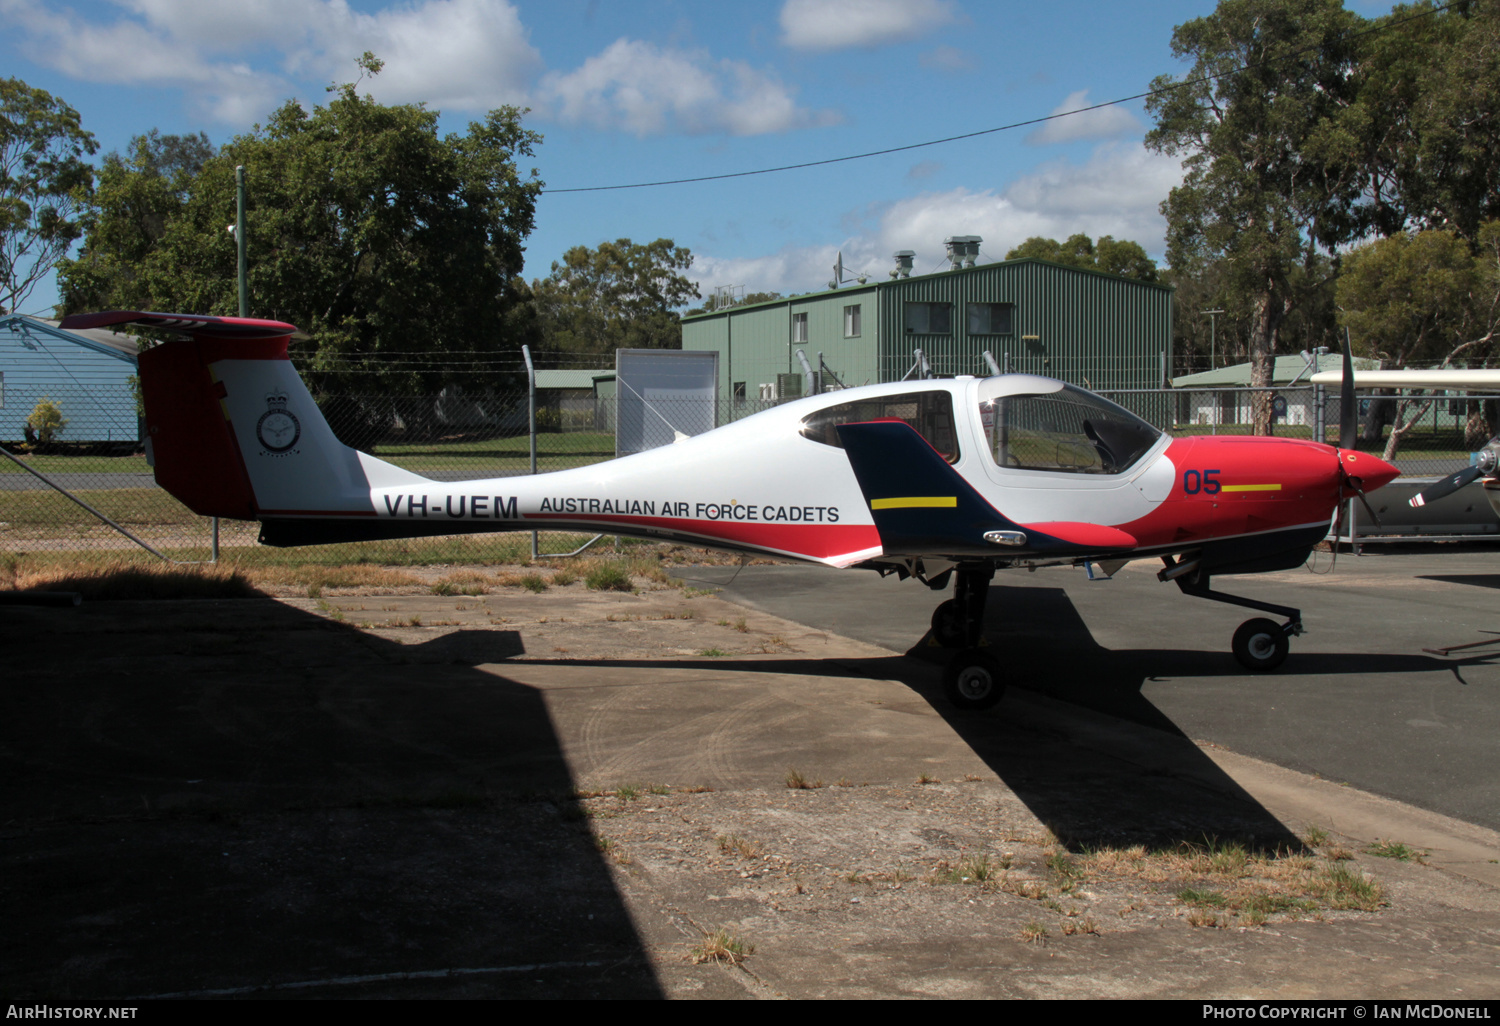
column 1395, row 850
column 733, row 844
column 1226, row 882
column 723, row 947
column 608, row 577
column 120, row 580
column 795, row 781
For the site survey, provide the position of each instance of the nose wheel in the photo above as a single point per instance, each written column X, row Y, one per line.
column 972, row 679
column 1260, row 644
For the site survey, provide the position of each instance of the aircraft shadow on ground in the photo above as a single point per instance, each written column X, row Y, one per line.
column 238, row 798
column 1091, row 784
column 1477, row 580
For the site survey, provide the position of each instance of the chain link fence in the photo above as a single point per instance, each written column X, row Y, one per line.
column 57, row 492
column 85, row 443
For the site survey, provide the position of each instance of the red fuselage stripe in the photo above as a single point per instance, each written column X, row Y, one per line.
column 818, row 540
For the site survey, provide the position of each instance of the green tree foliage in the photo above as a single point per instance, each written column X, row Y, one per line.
column 619, row 296
column 135, row 198
column 44, row 183
column 1413, row 299
column 1425, row 126
column 1255, row 122
column 45, row 423
column 1421, row 299
column 397, row 251
column 1110, row 255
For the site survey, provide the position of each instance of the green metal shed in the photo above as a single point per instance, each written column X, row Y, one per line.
column 1098, row 330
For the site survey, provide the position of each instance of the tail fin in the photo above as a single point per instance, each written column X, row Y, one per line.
column 232, row 429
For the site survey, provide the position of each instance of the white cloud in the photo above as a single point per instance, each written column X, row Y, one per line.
column 465, row 54
column 1117, row 192
column 648, row 90
column 840, row 24
column 1103, row 123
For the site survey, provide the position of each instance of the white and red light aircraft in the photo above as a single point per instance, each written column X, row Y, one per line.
column 934, row 479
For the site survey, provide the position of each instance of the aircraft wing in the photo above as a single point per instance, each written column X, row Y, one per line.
column 1459, row 380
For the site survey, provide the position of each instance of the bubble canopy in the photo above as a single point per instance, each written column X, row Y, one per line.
column 1035, row 423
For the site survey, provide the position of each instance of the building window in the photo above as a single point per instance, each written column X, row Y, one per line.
column 990, row 318
column 799, row 327
column 851, row 321
column 739, row 391
column 929, row 318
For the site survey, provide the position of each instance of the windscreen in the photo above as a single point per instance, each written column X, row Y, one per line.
column 1069, row 430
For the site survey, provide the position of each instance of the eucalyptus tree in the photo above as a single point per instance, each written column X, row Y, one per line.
column 45, row 183
column 1267, row 181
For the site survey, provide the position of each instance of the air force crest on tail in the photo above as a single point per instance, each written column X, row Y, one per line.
column 278, row 428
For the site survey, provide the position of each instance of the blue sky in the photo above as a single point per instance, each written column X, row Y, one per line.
column 641, row 90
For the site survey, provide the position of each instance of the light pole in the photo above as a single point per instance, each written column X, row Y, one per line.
column 239, row 236
column 1211, row 336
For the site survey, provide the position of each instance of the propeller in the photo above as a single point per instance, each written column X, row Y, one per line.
column 1349, row 427
column 1484, row 464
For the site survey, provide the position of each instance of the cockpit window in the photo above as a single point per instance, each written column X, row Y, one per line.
column 1070, row 430
column 929, row 413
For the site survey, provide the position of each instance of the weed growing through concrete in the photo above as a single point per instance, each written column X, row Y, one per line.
column 1395, row 850
column 1225, row 882
column 723, row 947
column 797, row 782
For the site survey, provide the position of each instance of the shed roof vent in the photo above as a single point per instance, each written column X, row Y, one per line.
column 904, row 258
column 963, row 250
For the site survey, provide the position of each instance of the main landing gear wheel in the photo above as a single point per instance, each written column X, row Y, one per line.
column 948, row 626
column 1260, row 644
column 972, row 679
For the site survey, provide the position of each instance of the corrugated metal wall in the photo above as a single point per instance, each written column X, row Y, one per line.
column 92, row 388
column 1096, row 330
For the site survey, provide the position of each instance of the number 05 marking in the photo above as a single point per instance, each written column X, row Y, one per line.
column 1205, row 481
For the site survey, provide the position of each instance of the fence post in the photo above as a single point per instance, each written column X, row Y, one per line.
column 531, row 424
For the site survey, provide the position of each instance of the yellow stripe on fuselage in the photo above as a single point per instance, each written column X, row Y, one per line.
column 915, row 501
column 1253, row 488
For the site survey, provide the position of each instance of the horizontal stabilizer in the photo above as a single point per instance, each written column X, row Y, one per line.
column 188, row 325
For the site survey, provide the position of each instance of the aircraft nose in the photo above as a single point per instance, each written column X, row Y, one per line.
column 1372, row 472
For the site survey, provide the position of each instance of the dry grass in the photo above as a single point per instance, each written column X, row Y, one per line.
column 1221, row 882
column 128, row 580
column 721, row 946
column 733, row 844
column 797, row 782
